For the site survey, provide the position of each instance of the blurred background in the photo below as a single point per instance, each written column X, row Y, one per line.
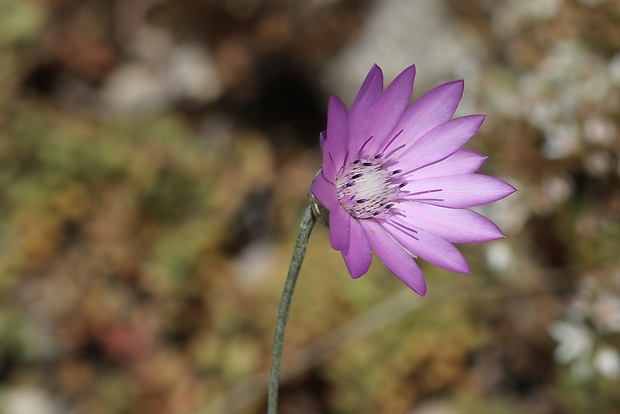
column 155, row 158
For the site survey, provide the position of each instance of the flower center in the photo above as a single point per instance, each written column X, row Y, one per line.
column 368, row 188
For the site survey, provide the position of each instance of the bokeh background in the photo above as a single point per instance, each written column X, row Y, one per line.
column 154, row 163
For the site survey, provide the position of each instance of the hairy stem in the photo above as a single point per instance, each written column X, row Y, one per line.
column 307, row 223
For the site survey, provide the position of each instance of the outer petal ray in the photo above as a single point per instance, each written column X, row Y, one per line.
column 358, row 255
column 361, row 109
column 389, row 109
column 394, row 256
column 452, row 224
column 440, row 142
column 335, row 143
column 433, row 249
column 461, row 162
column 325, row 191
column 431, row 109
column 339, row 226
column 458, row 191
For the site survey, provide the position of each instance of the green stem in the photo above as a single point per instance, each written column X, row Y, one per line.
column 307, row 223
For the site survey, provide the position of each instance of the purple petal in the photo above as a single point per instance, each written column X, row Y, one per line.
column 325, row 192
column 440, row 142
column 361, row 109
column 335, row 144
column 394, row 256
column 339, row 227
column 452, row 224
column 458, row 191
column 358, row 256
column 461, row 162
column 431, row 109
column 389, row 109
column 433, row 249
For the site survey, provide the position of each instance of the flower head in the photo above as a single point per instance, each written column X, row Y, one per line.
column 396, row 181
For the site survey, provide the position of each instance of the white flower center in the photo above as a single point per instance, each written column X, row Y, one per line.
column 367, row 188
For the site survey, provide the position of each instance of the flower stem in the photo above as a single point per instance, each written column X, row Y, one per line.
column 307, row 223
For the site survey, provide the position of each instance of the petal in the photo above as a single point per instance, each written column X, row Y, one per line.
column 361, row 109
column 440, row 142
column 325, row 192
column 339, row 219
column 358, row 256
column 339, row 226
column 433, row 249
column 458, row 191
column 461, row 162
column 452, row 224
column 321, row 138
column 431, row 109
column 388, row 110
column 394, row 256
column 335, row 143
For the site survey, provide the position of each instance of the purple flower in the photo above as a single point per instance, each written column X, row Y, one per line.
column 396, row 181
